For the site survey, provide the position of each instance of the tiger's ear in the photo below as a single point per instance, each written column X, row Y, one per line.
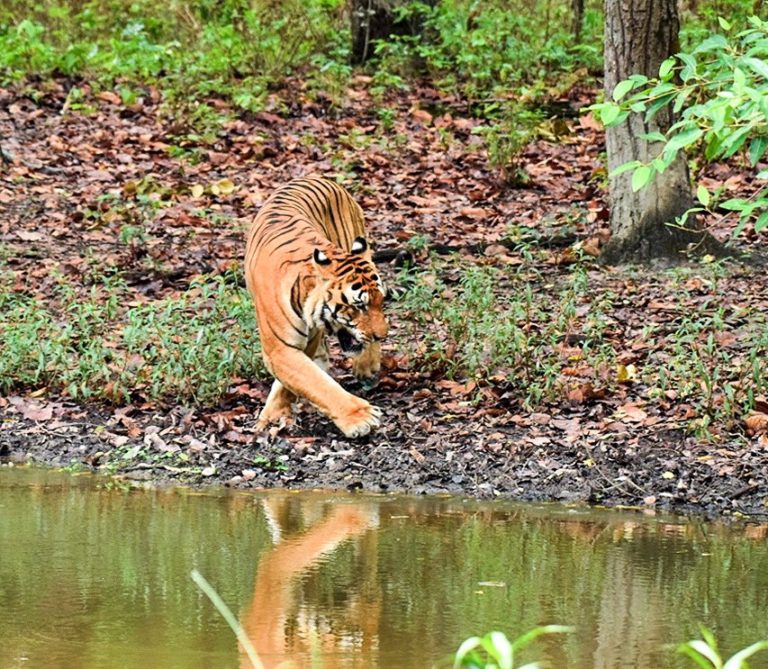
column 359, row 245
column 320, row 258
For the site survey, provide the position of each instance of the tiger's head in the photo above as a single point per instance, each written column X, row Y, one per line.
column 353, row 296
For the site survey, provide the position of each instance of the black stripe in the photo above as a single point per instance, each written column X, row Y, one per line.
column 281, row 340
column 296, row 303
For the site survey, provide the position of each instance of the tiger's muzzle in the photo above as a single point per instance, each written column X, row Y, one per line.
column 348, row 341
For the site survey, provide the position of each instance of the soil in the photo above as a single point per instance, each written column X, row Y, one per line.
column 474, row 455
column 436, row 437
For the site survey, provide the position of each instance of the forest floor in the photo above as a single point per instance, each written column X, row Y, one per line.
column 420, row 171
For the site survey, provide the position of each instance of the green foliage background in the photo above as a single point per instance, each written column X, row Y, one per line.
column 241, row 50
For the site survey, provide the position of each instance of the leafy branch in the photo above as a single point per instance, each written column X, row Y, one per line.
column 719, row 91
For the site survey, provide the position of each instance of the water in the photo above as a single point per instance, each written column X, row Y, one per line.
column 95, row 574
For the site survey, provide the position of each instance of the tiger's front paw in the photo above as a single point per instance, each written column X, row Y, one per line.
column 360, row 421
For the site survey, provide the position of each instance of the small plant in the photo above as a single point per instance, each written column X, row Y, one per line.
column 505, row 139
column 705, row 654
column 495, row 651
column 386, row 117
column 90, row 345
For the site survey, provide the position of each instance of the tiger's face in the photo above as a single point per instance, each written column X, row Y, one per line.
column 354, row 293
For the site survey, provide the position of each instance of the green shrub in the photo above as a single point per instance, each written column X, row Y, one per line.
column 190, row 347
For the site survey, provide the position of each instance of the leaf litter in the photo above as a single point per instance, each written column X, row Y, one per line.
column 78, row 184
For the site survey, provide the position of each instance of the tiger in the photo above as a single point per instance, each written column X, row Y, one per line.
column 310, row 273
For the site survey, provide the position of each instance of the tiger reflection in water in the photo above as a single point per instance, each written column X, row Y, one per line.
column 283, row 623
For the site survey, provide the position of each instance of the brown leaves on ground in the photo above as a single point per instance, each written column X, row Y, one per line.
column 757, row 424
column 80, row 186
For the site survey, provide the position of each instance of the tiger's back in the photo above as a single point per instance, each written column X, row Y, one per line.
column 309, row 270
column 302, row 209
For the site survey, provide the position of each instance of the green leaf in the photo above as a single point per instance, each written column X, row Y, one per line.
column 703, row 648
column 703, row 195
column 723, row 23
column 734, row 204
column 685, row 649
column 689, row 60
column 666, row 67
column 466, row 647
column 641, row 176
column 757, row 148
column 499, row 647
column 713, row 147
column 631, row 165
column 733, row 143
column 757, row 65
column 739, row 79
column 762, row 222
column 658, row 104
column 739, row 228
column 621, row 89
column 524, row 639
column 680, row 99
column 654, row 137
column 713, row 43
column 738, row 660
column 660, row 165
column 609, row 112
column 685, row 138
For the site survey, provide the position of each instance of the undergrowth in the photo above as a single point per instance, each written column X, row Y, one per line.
column 533, row 338
column 547, row 340
column 188, row 348
column 243, row 50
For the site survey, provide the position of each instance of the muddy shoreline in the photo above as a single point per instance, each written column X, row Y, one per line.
column 479, row 456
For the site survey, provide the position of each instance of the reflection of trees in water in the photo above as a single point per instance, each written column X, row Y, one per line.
column 292, row 614
column 120, row 561
column 655, row 575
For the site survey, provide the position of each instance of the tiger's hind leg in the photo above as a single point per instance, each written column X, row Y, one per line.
column 277, row 407
column 366, row 365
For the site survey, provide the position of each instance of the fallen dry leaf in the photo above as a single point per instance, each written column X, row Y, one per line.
column 757, row 424
column 455, row 388
column 421, row 116
column 631, row 413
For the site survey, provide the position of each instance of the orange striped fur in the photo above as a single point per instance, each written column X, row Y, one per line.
column 309, row 270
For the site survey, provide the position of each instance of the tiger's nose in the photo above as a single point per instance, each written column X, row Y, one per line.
column 381, row 332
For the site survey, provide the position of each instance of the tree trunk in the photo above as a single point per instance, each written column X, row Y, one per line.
column 376, row 20
column 577, row 20
column 639, row 36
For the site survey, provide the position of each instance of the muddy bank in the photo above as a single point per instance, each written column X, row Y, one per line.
column 473, row 453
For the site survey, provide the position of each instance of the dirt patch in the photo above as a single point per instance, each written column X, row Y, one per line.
column 484, row 456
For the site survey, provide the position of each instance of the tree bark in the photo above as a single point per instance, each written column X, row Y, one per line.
column 639, row 36
column 376, row 20
column 577, row 20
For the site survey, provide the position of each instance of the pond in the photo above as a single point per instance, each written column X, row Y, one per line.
column 95, row 573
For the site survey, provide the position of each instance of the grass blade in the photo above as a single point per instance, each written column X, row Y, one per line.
column 223, row 609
